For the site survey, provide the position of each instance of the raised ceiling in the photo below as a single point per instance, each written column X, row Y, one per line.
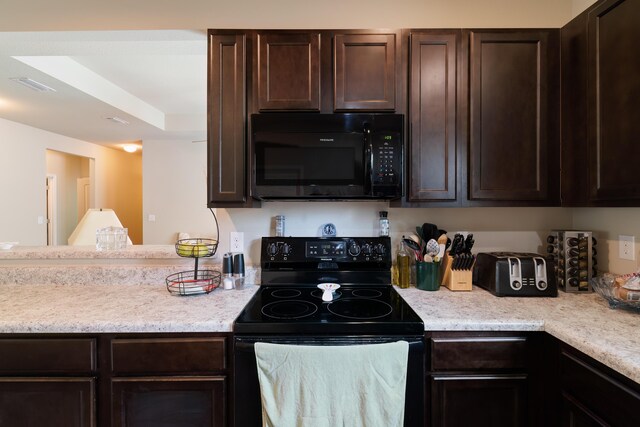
column 154, row 80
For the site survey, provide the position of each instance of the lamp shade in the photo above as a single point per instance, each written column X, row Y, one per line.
column 93, row 219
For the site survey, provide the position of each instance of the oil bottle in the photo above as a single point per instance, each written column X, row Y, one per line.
column 402, row 264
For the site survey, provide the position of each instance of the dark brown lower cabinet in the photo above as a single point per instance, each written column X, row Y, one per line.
column 168, row 402
column 176, row 380
column 479, row 400
column 42, row 401
column 593, row 394
column 574, row 414
column 480, row 378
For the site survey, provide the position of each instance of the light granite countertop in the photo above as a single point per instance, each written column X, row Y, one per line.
column 19, row 252
column 584, row 321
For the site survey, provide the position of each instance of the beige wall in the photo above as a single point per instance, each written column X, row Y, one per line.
column 123, row 193
column 23, row 173
column 608, row 224
column 577, row 6
column 19, row 15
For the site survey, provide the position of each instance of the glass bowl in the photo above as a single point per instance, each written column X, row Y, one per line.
column 617, row 297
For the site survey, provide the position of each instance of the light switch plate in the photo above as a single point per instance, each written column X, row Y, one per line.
column 627, row 247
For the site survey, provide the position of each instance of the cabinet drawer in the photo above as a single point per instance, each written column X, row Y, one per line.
column 47, row 356
column 478, row 352
column 605, row 396
column 168, row 355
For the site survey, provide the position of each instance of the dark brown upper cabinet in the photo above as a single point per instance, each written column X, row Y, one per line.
column 514, row 116
column 614, row 102
column 433, row 76
column 226, row 106
column 364, row 72
column 601, row 105
column 288, row 71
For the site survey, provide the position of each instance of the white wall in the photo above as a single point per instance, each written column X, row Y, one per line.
column 23, row 176
column 175, row 191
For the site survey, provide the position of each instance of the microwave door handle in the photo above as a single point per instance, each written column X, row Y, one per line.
column 368, row 161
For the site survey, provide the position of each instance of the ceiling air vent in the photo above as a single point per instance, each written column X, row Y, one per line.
column 118, row 120
column 32, row 84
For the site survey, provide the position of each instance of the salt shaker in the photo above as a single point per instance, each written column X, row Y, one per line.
column 227, row 271
column 384, row 224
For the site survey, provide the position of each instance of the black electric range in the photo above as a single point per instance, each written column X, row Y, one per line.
column 289, row 309
column 289, row 301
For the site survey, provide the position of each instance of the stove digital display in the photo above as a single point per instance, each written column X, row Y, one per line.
column 325, row 249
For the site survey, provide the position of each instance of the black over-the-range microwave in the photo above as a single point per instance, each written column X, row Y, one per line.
column 327, row 156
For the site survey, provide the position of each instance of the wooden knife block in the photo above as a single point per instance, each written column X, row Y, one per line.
column 455, row 280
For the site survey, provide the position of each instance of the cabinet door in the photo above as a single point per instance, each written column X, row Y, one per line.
column 478, row 400
column 289, row 71
column 364, row 72
column 168, row 401
column 226, row 120
column 432, row 103
column 68, row 402
column 614, row 101
column 575, row 414
column 514, row 150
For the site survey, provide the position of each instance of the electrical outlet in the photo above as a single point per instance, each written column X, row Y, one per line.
column 627, row 248
column 236, row 241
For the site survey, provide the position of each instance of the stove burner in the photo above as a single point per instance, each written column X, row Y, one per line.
column 286, row 293
column 366, row 293
column 289, row 309
column 362, row 309
column 318, row 294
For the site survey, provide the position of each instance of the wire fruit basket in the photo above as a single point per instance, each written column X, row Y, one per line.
column 194, row 282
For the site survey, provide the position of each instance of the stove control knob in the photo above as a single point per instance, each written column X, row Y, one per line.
column 272, row 249
column 286, row 249
column 354, row 249
column 366, row 249
column 380, row 249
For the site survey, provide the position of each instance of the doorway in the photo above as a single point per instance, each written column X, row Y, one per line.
column 51, row 187
column 69, row 193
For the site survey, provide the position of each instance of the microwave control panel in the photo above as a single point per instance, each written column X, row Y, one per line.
column 387, row 158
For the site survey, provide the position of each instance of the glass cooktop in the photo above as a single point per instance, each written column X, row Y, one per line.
column 355, row 309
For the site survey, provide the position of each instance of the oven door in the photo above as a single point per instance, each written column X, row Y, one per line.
column 248, row 410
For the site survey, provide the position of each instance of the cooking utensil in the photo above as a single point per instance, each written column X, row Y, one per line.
column 415, row 247
column 442, row 245
column 429, row 231
column 432, row 248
